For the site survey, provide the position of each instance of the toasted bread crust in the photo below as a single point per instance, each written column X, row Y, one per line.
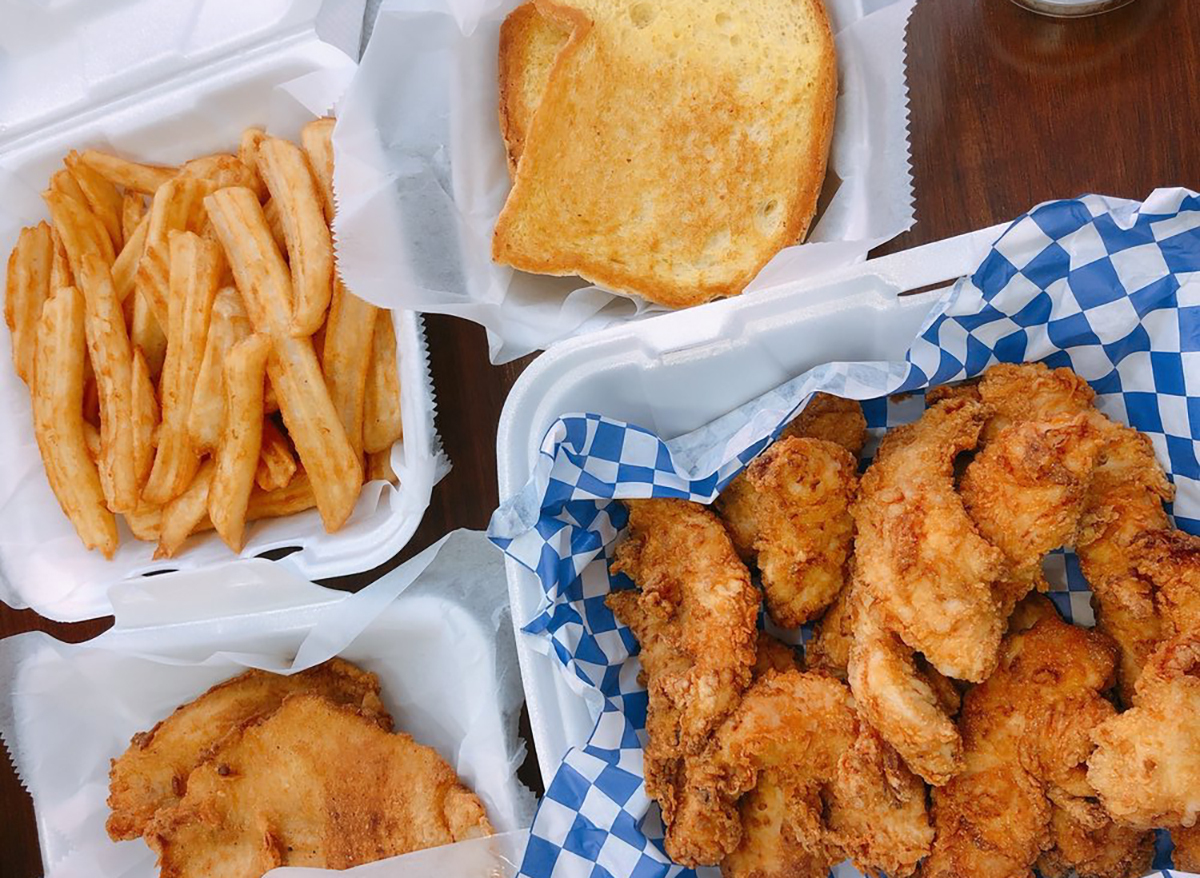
column 554, row 254
column 529, row 42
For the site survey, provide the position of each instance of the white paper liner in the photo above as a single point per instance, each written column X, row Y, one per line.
column 287, row 78
column 423, row 169
column 436, row 630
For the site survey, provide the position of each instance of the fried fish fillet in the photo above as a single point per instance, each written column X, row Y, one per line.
column 313, row 784
column 826, row 417
column 696, row 619
column 153, row 772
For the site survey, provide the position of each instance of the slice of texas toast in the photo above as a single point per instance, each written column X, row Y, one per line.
column 529, row 43
column 678, row 145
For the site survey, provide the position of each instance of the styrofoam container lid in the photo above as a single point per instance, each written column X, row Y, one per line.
column 163, row 81
column 681, row 371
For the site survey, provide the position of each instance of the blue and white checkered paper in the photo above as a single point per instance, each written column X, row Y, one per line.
column 1108, row 287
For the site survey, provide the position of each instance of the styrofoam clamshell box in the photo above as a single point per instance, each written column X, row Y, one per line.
column 680, row 371
column 435, row 631
column 164, row 81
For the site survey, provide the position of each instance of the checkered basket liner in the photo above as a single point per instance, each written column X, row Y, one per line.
column 1108, row 287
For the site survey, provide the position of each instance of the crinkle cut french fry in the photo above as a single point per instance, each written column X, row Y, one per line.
column 129, row 175
column 237, row 456
column 346, row 358
column 58, row 421
column 181, row 517
column 133, row 208
column 147, row 335
column 310, row 248
column 79, row 229
column 276, row 463
column 379, row 467
column 228, row 326
column 112, row 360
column 222, row 170
column 102, row 196
column 308, row 412
column 317, row 140
column 60, row 270
column 382, row 425
column 26, row 288
column 178, row 205
column 195, row 277
column 145, row 418
column 124, row 270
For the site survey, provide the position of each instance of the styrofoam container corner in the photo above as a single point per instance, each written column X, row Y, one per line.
column 163, row 81
column 682, row 370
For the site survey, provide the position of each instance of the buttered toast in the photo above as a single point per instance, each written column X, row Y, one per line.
column 676, row 146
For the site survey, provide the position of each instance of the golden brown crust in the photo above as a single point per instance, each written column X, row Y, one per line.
column 529, row 41
column 153, row 773
column 518, row 244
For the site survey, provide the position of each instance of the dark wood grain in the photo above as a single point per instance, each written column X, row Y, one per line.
column 1008, row 109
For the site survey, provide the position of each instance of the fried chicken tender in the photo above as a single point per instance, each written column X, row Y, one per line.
column 1187, row 848
column 1026, row 491
column 828, row 649
column 153, row 772
column 901, row 702
column 1146, row 767
column 1018, row 392
column 818, row 786
column 919, row 558
column 1026, row 732
column 826, row 417
column 696, row 620
column 1170, row 559
column 312, row 784
column 832, row 419
column 1086, row 843
column 803, row 489
column 1125, row 500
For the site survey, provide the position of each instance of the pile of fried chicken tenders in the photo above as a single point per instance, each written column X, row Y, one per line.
column 944, row 721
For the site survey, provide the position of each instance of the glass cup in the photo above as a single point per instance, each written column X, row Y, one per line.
column 1070, row 8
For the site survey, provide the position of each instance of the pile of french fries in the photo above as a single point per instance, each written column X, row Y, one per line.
column 164, row 346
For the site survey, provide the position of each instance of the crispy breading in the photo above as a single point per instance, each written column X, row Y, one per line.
column 821, row 786
column 153, row 772
column 1171, row 560
column 828, row 649
column 1026, row 491
column 312, row 784
column 699, row 610
column 826, row 417
column 1125, row 500
column 1086, row 843
column 1026, row 732
column 919, row 558
column 803, row 488
column 1146, row 767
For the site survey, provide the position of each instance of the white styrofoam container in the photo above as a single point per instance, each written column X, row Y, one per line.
column 433, row 631
column 682, row 370
column 163, row 81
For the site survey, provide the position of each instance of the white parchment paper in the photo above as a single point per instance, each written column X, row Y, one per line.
column 164, row 81
column 422, row 167
column 436, row 630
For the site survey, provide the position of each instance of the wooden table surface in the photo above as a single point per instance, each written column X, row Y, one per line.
column 1008, row 109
